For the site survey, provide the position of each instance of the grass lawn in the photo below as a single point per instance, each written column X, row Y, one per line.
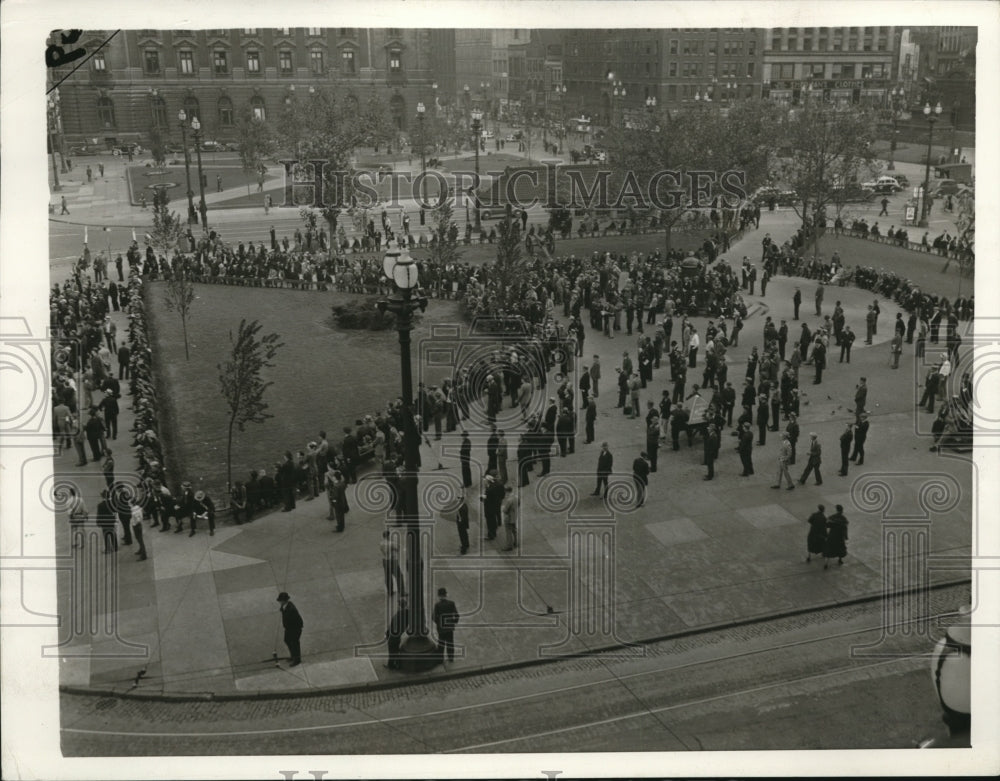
column 923, row 268
column 323, row 378
column 233, row 179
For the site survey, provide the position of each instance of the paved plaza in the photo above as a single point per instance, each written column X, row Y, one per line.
column 200, row 614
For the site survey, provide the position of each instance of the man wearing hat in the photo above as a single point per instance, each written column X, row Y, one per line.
column 815, row 459
column 465, row 457
column 640, row 476
column 784, row 459
column 860, row 436
column 292, row 623
column 203, row 508
column 461, row 511
column 445, row 619
column 184, row 507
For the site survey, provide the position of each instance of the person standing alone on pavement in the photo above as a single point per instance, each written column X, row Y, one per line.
column 846, row 440
column 640, row 476
column 292, row 623
column 784, row 459
column 445, row 620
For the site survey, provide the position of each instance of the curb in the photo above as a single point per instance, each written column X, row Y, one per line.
column 287, row 694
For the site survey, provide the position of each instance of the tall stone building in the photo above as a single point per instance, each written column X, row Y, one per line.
column 143, row 78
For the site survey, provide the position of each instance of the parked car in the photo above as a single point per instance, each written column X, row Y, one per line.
column 883, row 185
column 81, row 151
column 781, row 197
column 215, row 146
column 852, row 193
column 488, row 135
column 903, row 179
column 942, row 187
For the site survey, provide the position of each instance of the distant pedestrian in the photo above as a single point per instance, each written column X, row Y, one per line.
column 640, row 476
column 797, row 302
column 815, row 459
column 461, row 512
column 76, row 510
column 711, row 450
column 218, row 183
column 107, row 523
column 508, row 512
column 885, row 208
column 63, row 204
column 100, row 168
column 836, row 538
column 605, row 463
column 394, row 633
column 90, row 174
column 291, row 622
column 445, row 620
column 784, row 459
column 135, row 512
column 390, row 564
column 819, row 300
column 860, row 437
column 846, row 440
column 745, row 449
column 465, row 457
column 816, row 541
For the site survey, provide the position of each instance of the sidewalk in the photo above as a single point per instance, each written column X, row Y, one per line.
column 200, row 615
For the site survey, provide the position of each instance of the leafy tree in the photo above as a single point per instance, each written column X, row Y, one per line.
column 444, row 249
column 256, row 142
column 510, row 270
column 242, row 383
column 167, row 228
column 157, row 145
column 830, row 148
column 179, row 298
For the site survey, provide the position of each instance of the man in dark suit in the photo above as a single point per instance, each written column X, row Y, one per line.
column 286, row 482
column 351, row 453
column 846, row 439
column 292, row 623
column 591, row 418
column 640, row 475
column 107, row 522
column 492, row 443
column 465, row 457
column 745, row 448
column 711, row 449
column 394, row 634
column 860, row 437
column 445, row 620
column 605, row 463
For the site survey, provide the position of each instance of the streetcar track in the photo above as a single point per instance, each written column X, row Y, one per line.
column 614, row 679
column 677, row 706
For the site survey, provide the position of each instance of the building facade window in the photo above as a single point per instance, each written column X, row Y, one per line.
column 225, row 111
column 106, row 111
column 285, row 32
column 316, row 61
column 672, row 69
column 673, row 46
column 99, row 64
column 220, row 62
column 253, row 62
column 249, row 30
column 191, row 107
column 185, row 62
column 395, row 61
column 151, row 62
column 750, row 70
column 285, row 62
column 257, row 108
column 347, row 60
column 315, row 32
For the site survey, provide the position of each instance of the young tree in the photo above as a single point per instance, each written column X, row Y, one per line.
column 256, row 142
column 510, row 269
column 830, row 148
column 444, row 249
column 157, row 145
column 167, row 228
column 179, row 297
column 242, row 383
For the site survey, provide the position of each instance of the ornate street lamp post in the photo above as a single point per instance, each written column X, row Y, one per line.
column 897, row 98
column 419, row 651
column 423, row 164
column 477, row 129
column 53, row 129
column 202, row 206
column 192, row 214
column 932, row 115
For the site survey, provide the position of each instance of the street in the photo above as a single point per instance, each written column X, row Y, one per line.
column 777, row 685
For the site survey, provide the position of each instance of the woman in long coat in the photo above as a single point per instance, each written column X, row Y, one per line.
column 816, row 541
column 836, row 537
